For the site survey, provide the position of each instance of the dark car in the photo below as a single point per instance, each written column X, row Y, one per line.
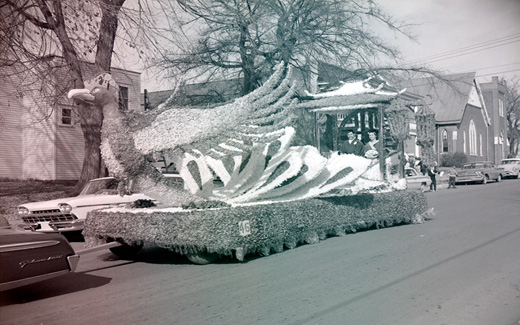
column 29, row 257
column 479, row 172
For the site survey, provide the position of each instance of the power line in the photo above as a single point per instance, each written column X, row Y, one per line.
column 462, row 54
column 490, row 67
column 495, row 73
column 470, row 47
column 496, row 43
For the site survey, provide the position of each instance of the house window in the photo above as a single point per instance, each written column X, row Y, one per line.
column 464, row 142
column 66, row 116
column 444, row 136
column 472, row 138
column 123, row 98
column 481, row 145
column 500, row 107
column 454, row 139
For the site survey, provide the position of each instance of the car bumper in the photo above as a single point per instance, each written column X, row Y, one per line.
column 54, row 226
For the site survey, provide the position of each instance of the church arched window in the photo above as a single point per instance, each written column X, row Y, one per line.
column 472, row 138
column 444, row 138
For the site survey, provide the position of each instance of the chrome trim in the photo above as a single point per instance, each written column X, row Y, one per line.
column 98, row 248
column 100, row 205
column 38, row 278
column 28, row 245
column 73, row 261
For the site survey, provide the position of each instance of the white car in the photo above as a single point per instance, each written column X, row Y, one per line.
column 511, row 167
column 68, row 214
column 416, row 181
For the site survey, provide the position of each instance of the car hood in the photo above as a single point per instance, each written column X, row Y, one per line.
column 90, row 199
column 53, row 203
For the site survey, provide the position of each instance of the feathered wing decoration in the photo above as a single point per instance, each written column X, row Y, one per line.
column 245, row 144
column 216, row 131
column 255, row 162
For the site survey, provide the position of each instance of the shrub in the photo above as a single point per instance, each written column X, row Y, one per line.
column 453, row 160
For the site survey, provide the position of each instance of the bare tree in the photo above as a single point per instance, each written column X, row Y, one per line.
column 512, row 105
column 40, row 37
column 247, row 38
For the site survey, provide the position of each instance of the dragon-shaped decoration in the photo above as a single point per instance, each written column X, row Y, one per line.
column 245, row 143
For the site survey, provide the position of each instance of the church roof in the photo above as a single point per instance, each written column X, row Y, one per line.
column 448, row 98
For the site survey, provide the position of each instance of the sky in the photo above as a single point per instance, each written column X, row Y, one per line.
column 481, row 36
column 452, row 36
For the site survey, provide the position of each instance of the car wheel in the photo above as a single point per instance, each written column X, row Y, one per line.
column 125, row 251
column 485, row 180
column 499, row 178
column 202, row 258
column 518, row 175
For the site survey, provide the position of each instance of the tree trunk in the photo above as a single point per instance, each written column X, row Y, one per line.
column 91, row 116
column 91, row 127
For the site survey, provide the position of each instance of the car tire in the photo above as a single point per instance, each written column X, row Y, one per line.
column 485, row 180
column 125, row 251
column 499, row 178
column 518, row 175
column 202, row 258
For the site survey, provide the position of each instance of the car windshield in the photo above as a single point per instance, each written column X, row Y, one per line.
column 411, row 172
column 98, row 186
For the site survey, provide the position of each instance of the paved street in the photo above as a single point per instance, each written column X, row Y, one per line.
column 461, row 267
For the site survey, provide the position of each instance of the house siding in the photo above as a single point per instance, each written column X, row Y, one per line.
column 11, row 139
column 70, row 152
column 38, row 132
column 33, row 143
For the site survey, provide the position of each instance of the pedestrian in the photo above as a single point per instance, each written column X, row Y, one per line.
column 452, row 174
column 352, row 145
column 432, row 172
column 420, row 166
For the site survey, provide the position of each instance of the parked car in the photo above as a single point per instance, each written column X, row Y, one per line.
column 479, row 172
column 416, row 181
column 68, row 214
column 32, row 257
column 511, row 167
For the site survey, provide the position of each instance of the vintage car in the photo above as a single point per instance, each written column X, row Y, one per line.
column 68, row 214
column 416, row 180
column 511, row 167
column 479, row 172
column 32, row 257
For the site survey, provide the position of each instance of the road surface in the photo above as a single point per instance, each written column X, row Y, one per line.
column 460, row 267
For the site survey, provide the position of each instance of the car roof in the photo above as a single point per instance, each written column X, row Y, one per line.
column 511, row 159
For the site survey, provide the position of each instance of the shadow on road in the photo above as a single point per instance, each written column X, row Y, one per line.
column 62, row 285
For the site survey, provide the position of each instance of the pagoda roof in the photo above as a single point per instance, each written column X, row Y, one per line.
column 368, row 93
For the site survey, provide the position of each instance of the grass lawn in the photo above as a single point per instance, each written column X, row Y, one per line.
column 15, row 192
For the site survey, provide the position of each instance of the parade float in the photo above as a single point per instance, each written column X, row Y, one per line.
column 270, row 195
